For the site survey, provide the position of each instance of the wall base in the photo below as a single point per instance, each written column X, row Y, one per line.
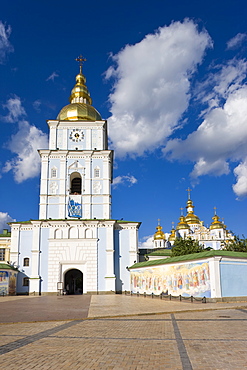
column 227, row 299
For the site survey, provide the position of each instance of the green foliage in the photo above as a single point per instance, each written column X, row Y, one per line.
column 186, row 246
column 236, row 245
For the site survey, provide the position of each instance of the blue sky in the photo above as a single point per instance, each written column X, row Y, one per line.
column 170, row 77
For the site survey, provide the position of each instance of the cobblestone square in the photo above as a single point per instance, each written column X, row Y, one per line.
column 119, row 332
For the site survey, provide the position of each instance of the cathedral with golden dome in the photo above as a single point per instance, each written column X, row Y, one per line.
column 75, row 246
column 190, row 226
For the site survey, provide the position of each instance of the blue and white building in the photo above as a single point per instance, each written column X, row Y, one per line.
column 75, row 246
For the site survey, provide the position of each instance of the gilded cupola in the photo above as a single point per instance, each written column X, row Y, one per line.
column 159, row 233
column 80, row 107
column 191, row 218
column 216, row 224
column 182, row 224
column 172, row 236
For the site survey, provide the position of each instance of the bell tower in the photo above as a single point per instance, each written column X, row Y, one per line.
column 76, row 170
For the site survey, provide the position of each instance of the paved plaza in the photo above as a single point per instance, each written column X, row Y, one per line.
column 121, row 332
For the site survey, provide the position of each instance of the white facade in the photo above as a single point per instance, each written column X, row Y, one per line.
column 75, row 246
column 77, row 151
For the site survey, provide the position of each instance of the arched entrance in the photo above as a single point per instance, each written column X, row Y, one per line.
column 73, row 282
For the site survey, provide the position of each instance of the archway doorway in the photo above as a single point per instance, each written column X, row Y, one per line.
column 73, row 282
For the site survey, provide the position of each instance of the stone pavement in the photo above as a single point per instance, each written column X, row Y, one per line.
column 121, row 332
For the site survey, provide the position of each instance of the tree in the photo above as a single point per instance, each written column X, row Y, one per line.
column 236, row 245
column 186, row 246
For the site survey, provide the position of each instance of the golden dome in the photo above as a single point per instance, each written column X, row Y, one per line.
column 159, row 233
column 216, row 224
column 172, row 237
column 79, row 112
column 182, row 223
column 191, row 218
column 80, row 107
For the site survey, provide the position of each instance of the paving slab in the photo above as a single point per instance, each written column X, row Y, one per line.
column 121, row 332
column 43, row 308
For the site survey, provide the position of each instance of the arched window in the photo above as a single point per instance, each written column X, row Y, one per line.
column 73, row 233
column 26, row 261
column 88, row 233
column 75, row 183
column 96, row 172
column 53, row 172
column 58, row 234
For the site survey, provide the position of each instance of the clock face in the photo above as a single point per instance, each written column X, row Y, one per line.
column 76, row 135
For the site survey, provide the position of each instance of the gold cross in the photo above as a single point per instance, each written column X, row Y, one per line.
column 158, row 221
column 80, row 59
column 181, row 209
column 188, row 190
column 215, row 211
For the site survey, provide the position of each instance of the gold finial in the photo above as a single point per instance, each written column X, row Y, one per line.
column 188, row 190
column 181, row 209
column 172, row 225
column 80, row 59
column 158, row 221
column 215, row 211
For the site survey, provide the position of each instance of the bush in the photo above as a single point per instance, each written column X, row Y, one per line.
column 236, row 245
column 182, row 247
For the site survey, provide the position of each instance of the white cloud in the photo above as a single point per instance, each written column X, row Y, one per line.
column 4, row 219
column 218, row 85
column 128, row 180
column 24, row 144
column 236, row 41
column 5, row 45
column 147, row 242
column 16, row 111
column 152, row 86
column 221, row 137
column 240, row 188
column 52, row 76
column 230, row 77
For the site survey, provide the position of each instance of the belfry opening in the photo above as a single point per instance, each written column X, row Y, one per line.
column 75, row 183
column 73, row 282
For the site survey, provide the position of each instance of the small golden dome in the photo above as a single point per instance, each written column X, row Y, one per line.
column 172, row 237
column 80, row 91
column 159, row 233
column 191, row 218
column 80, row 107
column 182, row 224
column 216, row 224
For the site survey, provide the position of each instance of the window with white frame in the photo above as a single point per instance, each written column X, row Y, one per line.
column 26, row 261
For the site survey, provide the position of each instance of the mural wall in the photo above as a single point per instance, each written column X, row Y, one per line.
column 191, row 279
column 7, row 282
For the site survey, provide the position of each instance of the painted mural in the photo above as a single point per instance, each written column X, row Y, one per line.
column 12, row 282
column 7, row 282
column 191, row 279
column 4, row 282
